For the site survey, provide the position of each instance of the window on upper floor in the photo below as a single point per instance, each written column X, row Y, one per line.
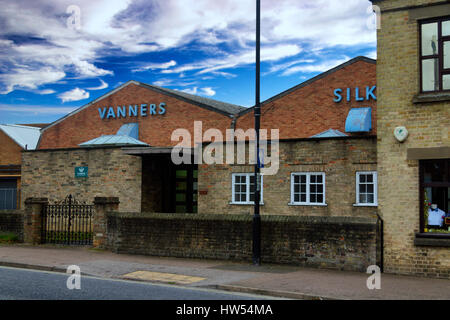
column 435, row 55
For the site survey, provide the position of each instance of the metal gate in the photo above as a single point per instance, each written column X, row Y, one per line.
column 68, row 222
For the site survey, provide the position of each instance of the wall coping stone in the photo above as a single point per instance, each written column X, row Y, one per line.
column 245, row 217
column 71, row 149
column 36, row 200
column 12, row 211
column 106, row 200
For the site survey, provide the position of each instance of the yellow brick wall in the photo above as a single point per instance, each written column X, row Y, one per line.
column 339, row 159
column 51, row 174
column 428, row 125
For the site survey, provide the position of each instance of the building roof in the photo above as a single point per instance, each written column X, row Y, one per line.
column 127, row 135
column 113, row 140
column 224, row 108
column 215, row 105
column 25, row 136
column 330, row 133
column 36, row 125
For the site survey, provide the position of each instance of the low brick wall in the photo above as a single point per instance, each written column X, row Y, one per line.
column 12, row 221
column 342, row 243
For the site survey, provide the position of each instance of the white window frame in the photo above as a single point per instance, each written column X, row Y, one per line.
column 375, row 189
column 247, row 181
column 308, row 184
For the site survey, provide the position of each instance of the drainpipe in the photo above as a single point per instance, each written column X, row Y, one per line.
column 380, row 223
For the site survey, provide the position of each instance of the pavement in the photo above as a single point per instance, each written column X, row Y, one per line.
column 283, row 281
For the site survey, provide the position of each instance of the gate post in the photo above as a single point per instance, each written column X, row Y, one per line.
column 102, row 206
column 32, row 224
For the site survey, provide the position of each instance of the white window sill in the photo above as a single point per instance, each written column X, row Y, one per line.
column 245, row 203
column 365, row 204
column 308, row 204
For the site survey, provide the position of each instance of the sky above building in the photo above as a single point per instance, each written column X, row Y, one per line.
column 56, row 56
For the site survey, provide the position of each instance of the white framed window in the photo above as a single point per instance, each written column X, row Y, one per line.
column 366, row 188
column 308, row 188
column 243, row 188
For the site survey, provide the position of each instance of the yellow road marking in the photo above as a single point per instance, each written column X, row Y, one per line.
column 162, row 277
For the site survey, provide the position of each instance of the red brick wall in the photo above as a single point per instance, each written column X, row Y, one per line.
column 155, row 130
column 310, row 110
column 10, row 152
column 299, row 114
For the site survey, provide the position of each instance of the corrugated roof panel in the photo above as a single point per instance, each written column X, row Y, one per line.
column 25, row 136
column 127, row 135
column 330, row 133
column 113, row 140
column 129, row 129
column 359, row 120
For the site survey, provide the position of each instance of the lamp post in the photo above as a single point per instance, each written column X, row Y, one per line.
column 257, row 112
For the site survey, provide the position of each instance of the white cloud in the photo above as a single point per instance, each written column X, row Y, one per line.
column 172, row 82
column 208, row 91
column 87, row 70
column 33, row 109
column 22, row 78
column 155, row 66
column 74, row 95
column 190, row 91
column 46, row 91
column 317, row 67
column 163, row 82
column 372, row 54
column 224, row 74
column 103, row 85
column 131, row 27
column 283, row 66
column 213, row 65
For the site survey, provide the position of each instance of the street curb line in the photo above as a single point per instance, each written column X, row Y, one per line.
column 31, row 266
column 37, row 267
column 274, row 293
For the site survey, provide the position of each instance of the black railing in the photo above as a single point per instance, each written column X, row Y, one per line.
column 68, row 222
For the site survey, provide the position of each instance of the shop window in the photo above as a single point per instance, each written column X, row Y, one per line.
column 435, row 187
column 243, row 188
column 435, row 55
column 308, row 188
column 366, row 188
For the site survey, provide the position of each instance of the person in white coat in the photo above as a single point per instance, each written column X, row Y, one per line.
column 435, row 216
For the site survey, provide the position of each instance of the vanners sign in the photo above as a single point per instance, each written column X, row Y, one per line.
column 142, row 110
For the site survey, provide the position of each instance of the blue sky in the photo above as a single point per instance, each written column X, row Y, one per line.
column 56, row 56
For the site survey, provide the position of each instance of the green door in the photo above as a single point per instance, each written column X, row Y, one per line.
column 186, row 190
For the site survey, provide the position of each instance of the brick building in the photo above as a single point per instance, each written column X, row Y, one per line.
column 413, row 78
column 121, row 145
column 314, row 144
column 123, row 140
column 14, row 139
column 97, row 136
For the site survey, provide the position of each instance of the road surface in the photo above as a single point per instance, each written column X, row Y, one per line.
column 24, row 284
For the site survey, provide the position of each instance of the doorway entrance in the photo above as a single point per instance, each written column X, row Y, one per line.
column 168, row 188
column 186, row 188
